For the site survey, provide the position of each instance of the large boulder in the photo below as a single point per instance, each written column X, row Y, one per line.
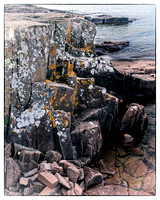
column 134, row 121
column 88, row 139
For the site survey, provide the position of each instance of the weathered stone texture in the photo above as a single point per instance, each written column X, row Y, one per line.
column 92, row 176
column 88, row 139
column 48, row 179
column 12, row 172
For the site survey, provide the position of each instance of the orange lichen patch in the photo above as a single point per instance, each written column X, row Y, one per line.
column 50, row 101
column 22, row 129
column 52, row 66
column 81, row 64
column 54, row 88
column 13, row 131
column 58, row 77
column 86, row 82
column 50, row 113
column 54, row 73
column 54, row 96
column 82, row 16
column 76, row 104
column 73, row 98
column 109, row 96
column 69, row 113
column 69, row 29
column 70, row 67
column 52, row 120
column 62, row 98
column 4, row 114
column 48, row 81
column 45, row 93
column 66, row 123
column 71, row 74
column 51, row 79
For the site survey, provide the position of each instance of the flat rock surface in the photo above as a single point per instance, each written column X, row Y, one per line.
column 139, row 77
column 133, row 66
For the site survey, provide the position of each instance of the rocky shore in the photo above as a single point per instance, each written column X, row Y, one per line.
column 106, row 19
column 63, row 109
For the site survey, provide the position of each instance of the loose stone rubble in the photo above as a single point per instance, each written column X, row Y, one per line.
column 60, row 114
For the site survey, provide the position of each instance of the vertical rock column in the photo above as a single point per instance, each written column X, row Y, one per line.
column 51, row 74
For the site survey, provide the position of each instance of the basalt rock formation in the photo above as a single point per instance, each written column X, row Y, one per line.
column 47, row 105
column 56, row 97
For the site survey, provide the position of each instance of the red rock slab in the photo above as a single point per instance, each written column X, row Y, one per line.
column 56, row 168
column 135, row 167
column 114, row 190
column 23, row 181
column 49, row 192
column 48, row 179
column 31, row 173
column 92, row 176
column 12, row 172
column 11, row 193
column 73, row 173
column 71, row 192
column 46, row 191
column 62, row 181
column 133, row 66
column 135, row 150
column 138, row 193
column 113, row 180
column 77, row 189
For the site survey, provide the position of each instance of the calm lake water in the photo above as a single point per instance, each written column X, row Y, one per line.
column 140, row 33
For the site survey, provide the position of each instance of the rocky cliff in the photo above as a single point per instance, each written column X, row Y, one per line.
column 52, row 100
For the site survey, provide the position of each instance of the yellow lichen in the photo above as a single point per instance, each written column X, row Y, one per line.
column 62, row 98
column 58, row 77
column 66, row 123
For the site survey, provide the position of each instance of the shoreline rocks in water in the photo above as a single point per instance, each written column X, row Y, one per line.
column 58, row 103
column 106, row 19
column 110, row 46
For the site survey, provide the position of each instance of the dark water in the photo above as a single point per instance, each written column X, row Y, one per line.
column 140, row 33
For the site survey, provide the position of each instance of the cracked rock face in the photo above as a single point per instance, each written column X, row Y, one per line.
column 41, row 109
column 54, row 113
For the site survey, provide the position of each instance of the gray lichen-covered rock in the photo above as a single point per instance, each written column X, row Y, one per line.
column 29, row 48
column 33, row 128
column 57, row 95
